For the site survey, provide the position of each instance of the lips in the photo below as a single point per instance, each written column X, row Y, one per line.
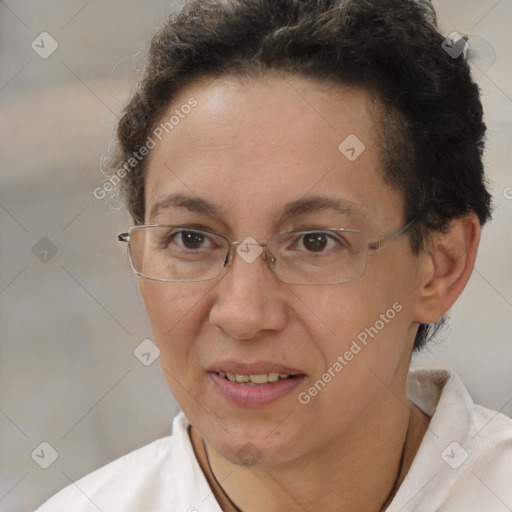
column 253, row 385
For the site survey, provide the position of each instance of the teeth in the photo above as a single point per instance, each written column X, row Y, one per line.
column 262, row 378
column 252, row 380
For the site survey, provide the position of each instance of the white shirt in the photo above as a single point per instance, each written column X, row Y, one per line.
column 464, row 464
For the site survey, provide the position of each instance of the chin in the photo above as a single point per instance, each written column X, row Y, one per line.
column 253, row 445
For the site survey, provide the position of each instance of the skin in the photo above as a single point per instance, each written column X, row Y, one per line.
column 249, row 147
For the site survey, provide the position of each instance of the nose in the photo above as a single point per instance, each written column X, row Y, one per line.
column 249, row 299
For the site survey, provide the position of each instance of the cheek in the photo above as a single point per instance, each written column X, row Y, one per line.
column 177, row 314
column 350, row 312
column 360, row 355
column 172, row 310
column 367, row 323
column 168, row 303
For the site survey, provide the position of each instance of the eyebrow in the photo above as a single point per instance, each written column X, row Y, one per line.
column 291, row 209
column 193, row 204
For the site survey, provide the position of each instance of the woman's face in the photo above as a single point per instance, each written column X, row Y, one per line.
column 252, row 150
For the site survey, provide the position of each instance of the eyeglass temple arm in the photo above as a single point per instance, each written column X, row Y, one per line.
column 390, row 236
column 123, row 237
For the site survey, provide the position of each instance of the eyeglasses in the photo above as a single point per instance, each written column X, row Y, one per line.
column 308, row 257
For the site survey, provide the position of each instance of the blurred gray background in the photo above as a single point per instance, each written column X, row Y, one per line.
column 70, row 313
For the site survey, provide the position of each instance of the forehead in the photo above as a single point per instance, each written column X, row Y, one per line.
column 252, row 145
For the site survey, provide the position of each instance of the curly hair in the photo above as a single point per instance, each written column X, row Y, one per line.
column 432, row 135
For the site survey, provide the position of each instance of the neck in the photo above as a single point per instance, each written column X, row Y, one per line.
column 360, row 473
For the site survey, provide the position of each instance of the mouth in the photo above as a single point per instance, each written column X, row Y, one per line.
column 255, row 380
column 254, row 385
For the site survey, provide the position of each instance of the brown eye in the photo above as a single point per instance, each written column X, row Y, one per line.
column 315, row 242
column 192, row 239
column 321, row 243
column 188, row 240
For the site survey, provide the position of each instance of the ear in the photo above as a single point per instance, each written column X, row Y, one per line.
column 445, row 268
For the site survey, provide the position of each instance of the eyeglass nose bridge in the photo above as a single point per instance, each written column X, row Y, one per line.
column 267, row 255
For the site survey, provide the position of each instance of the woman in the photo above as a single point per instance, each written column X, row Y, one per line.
column 307, row 191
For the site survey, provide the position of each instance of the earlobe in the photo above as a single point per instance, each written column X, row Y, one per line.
column 446, row 268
